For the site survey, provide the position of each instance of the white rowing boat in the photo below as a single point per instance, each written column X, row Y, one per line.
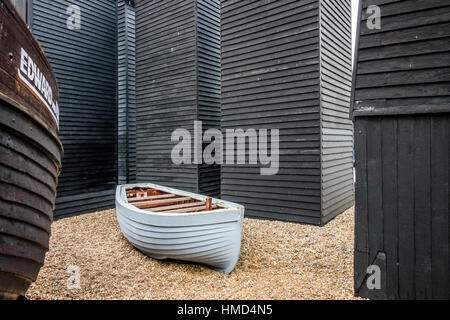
column 166, row 223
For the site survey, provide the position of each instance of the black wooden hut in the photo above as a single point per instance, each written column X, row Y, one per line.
column 177, row 83
column 287, row 65
column 126, row 92
column 402, row 123
column 80, row 39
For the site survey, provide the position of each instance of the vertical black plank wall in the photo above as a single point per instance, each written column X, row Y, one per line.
column 84, row 61
column 287, row 65
column 126, row 92
column 177, row 83
column 402, row 121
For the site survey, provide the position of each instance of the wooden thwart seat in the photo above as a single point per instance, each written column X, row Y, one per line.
column 159, row 197
column 159, row 203
column 141, row 193
column 156, row 201
column 192, row 209
column 175, row 207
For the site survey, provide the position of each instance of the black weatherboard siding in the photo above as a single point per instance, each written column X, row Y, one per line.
column 287, row 65
column 209, row 84
column 84, row 62
column 177, row 83
column 402, row 144
column 126, row 92
column 336, row 128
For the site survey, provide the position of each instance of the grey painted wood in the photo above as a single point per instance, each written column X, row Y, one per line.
column 286, row 65
column 336, row 127
column 209, row 84
column 84, row 62
column 402, row 122
column 177, row 83
column 126, row 92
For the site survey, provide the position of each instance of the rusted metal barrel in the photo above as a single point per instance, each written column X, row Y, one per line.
column 30, row 153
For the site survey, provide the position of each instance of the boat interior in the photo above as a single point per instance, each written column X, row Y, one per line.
column 158, row 201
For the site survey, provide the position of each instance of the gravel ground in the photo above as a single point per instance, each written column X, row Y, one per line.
column 278, row 261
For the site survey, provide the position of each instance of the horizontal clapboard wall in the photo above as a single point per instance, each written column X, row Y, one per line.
column 336, row 87
column 272, row 70
column 402, row 123
column 403, row 67
column 209, row 84
column 126, row 92
column 177, row 83
column 84, row 61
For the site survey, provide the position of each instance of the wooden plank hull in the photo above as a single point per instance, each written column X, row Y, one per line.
column 30, row 154
column 208, row 237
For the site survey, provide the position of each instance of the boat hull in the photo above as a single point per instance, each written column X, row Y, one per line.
column 212, row 238
column 30, row 158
